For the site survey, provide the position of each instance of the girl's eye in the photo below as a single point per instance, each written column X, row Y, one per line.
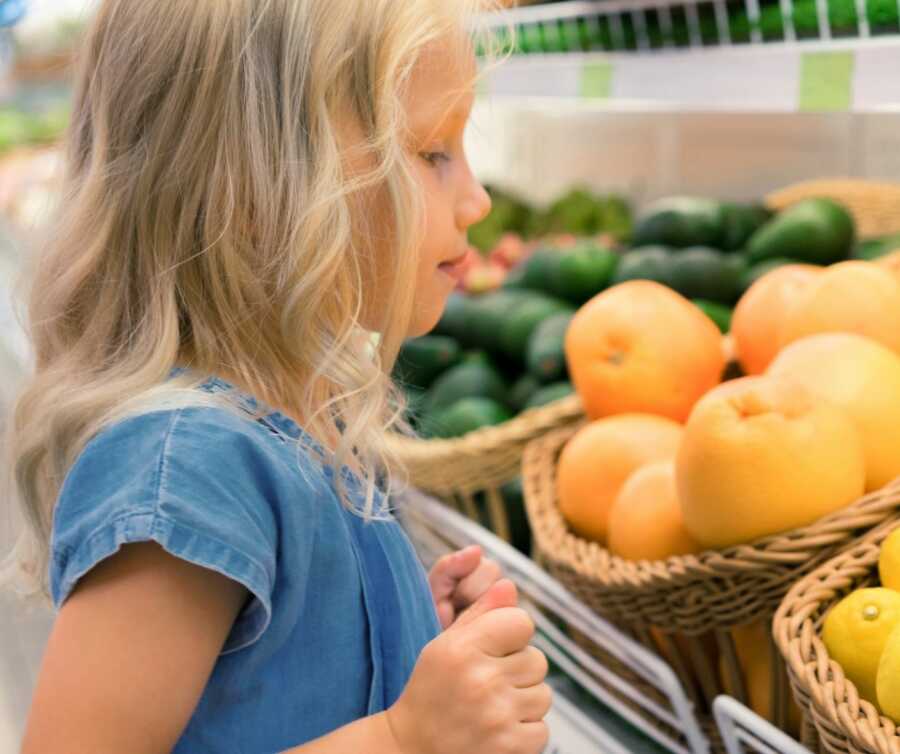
column 435, row 158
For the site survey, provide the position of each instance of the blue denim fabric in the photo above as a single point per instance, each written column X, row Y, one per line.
column 339, row 608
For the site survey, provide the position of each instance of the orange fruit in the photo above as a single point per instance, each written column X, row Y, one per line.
column 758, row 317
column 890, row 262
column 862, row 377
column 641, row 347
column 645, row 521
column 857, row 297
column 599, row 458
column 764, row 455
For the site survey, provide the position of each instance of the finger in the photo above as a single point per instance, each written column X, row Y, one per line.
column 477, row 583
column 526, row 668
column 451, row 569
column 446, row 613
column 533, row 704
column 533, row 737
column 502, row 632
column 503, row 594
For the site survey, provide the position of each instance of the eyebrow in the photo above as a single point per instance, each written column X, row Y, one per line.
column 458, row 113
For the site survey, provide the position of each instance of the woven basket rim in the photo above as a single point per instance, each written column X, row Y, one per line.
column 874, row 205
column 519, row 429
column 837, row 701
column 593, row 560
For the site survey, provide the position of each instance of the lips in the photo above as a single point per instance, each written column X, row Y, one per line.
column 457, row 260
column 456, row 267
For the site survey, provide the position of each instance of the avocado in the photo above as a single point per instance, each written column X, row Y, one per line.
column 718, row 313
column 583, row 271
column 740, row 222
column 522, row 320
column 680, row 222
column 546, row 354
column 470, row 379
column 549, row 394
column 817, row 231
column 522, row 390
column 467, row 415
column 707, row 274
column 645, row 263
column 486, row 314
column 454, row 321
column 537, row 273
column 422, row 359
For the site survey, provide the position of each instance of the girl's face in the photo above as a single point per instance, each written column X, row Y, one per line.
column 439, row 102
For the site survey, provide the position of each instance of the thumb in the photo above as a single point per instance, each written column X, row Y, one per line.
column 502, row 593
column 451, row 569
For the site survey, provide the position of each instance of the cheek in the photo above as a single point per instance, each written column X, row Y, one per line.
column 441, row 235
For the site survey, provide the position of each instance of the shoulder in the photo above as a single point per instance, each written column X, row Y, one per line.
column 168, row 448
column 187, row 470
column 209, row 485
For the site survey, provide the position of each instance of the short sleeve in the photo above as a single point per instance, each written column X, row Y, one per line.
column 197, row 481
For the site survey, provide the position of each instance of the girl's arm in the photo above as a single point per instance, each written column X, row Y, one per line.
column 130, row 654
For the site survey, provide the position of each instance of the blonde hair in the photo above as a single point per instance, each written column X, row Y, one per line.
column 207, row 219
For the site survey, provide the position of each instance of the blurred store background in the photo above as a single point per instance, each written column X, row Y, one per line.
column 34, row 106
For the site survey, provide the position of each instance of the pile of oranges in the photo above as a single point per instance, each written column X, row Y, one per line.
column 676, row 461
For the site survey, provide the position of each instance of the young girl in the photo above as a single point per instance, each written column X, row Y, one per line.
column 255, row 186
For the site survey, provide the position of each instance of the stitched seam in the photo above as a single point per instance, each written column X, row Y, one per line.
column 162, row 517
column 153, row 530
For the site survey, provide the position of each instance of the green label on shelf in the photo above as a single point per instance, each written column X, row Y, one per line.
column 826, row 81
column 596, row 79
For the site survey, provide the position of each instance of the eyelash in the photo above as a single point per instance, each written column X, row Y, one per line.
column 435, row 158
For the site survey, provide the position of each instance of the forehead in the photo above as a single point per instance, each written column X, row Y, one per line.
column 441, row 86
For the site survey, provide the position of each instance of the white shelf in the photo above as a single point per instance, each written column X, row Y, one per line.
column 828, row 76
column 540, row 148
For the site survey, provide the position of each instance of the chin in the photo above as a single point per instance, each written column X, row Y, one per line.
column 426, row 317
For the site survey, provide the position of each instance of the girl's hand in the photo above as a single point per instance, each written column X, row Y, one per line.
column 459, row 579
column 478, row 687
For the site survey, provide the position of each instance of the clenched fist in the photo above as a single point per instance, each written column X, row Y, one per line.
column 478, row 688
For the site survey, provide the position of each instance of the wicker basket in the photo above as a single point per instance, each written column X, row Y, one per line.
column 875, row 206
column 841, row 722
column 697, row 600
column 469, row 471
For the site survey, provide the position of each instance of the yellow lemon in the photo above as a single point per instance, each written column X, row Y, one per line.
column 888, row 682
column 889, row 561
column 856, row 632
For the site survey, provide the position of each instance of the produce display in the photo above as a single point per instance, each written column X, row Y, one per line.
column 690, row 445
column 843, row 17
column 501, row 338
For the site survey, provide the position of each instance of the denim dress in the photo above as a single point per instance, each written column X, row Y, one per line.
column 339, row 607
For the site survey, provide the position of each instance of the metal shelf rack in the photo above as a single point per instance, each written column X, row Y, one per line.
column 602, row 693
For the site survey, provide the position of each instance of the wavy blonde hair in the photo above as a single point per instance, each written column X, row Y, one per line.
column 208, row 220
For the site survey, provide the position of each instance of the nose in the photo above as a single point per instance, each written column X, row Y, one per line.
column 474, row 204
